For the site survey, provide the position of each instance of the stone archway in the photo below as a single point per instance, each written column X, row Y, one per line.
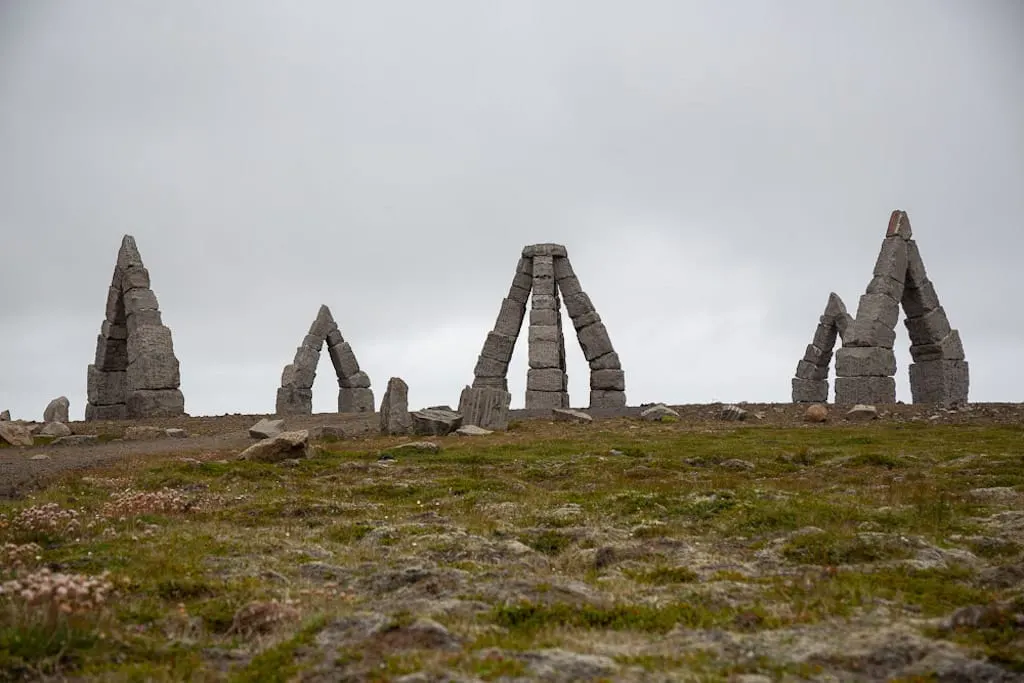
column 295, row 396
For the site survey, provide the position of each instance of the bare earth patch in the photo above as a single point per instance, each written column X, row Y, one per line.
column 618, row 550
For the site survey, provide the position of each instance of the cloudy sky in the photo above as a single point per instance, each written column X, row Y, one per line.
column 714, row 169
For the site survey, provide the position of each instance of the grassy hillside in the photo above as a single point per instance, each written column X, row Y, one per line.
column 620, row 550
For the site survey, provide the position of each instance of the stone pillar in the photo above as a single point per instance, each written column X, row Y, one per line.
column 546, row 380
column 135, row 373
column 394, row 409
column 492, row 364
column 485, row 407
column 810, row 385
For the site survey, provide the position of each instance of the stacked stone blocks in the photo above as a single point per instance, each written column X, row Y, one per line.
column 544, row 278
column 135, row 372
column 295, row 396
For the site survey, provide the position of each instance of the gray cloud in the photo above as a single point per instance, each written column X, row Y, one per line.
column 714, row 171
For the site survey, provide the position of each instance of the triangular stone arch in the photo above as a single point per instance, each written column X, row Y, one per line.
column 135, row 373
column 811, row 382
column 866, row 363
column 295, row 396
column 544, row 277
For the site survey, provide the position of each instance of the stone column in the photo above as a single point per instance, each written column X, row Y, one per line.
column 810, row 385
column 546, row 380
column 492, row 364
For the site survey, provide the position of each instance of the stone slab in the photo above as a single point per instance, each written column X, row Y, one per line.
column 155, row 403
column 359, row 380
column 128, row 255
column 117, row 411
column 293, row 400
column 835, row 306
column 917, row 274
column 111, row 354
column 578, row 304
column 334, row 337
column 608, row 380
column 869, row 333
column 892, row 259
column 323, row 323
column 544, row 301
column 139, row 299
column 544, row 316
column 112, row 331
column 355, row 400
column 945, row 382
column 950, row 348
column 899, row 225
column 931, row 328
column 809, row 390
column 817, row 355
column 488, row 367
column 886, row 286
column 545, row 400
column 864, row 362
column 594, row 341
column 805, row 370
column 498, row 347
column 569, row 286
column 525, row 267
column 919, row 301
column 144, row 317
column 585, row 320
column 545, row 333
column 314, row 343
column 563, row 269
column 607, row 399
column 609, row 361
column 343, row 359
column 115, row 312
column 490, row 383
column 869, row 390
column 878, row 307
column 152, row 372
column 150, row 340
column 106, row 388
column 510, row 317
column 546, row 355
column 825, row 335
column 547, row 249
column 485, row 408
column 548, row 379
column 135, row 277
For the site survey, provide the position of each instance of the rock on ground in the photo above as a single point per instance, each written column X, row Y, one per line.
column 284, row 446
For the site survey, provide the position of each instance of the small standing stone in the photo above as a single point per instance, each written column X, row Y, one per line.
column 394, row 408
column 57, row 410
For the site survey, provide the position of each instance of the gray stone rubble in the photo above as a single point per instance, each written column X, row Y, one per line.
column 135, row 373
column 544, row 277
column 295, row 396
column 866, row 364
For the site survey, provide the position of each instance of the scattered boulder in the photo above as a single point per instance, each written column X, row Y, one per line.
column 862, row 412
column 57, row 410
column 5, row 416
column 658, row 412
column 266, row 429
column 176, row 433
column 435, row 422
column 284, row 446
column 414, row 447
column 15, row 434
column 143, row 433
column 472, row 430
column 394, row 409
column 570, row 415
column 55, row 429
column 733, row 413
column 327, row 432
column 76, row 440
column 816, row 413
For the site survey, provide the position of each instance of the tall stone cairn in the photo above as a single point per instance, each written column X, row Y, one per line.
column 866, row 364
column 810, row 385
column 295, row 396
column 545, row 278
column 135, row 373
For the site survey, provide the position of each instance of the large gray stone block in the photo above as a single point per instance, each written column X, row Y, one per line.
column 868, row 390
column 805, row 370
column 144, row 317
column 128, row 255
column 394, row 408
column 931, row 328
column 57, row 410
column 138, row 300
column 343, row 359
column 323, row 323
column 817, row 355
column 810, row 390
column 864, row 362
column 292, row 400
column 544, row 400
column 950, row 348
column 520, row 289
column 488, row 367
column 106, row 388
column 578, row 304
column 946, row 382
column 585, row 320
column 869, row 333
column 112, row 331
column 510, row 318
column 334, row 337
column 111, row 354
column 569, row 286
column 136, row 277
column 288, row 378
column 490, row 383
column 498, row 347
column 608, row 380
column 155, row 403
column 359, row 380
column 534, row 250
column 607, row 399
column 485, row 407
column 824, row 341
column 355, row 401
column 117, row 411
column 892, row 259
column 313, row 343
column 917, row 275
column 886, row 286
column 115, row 312
column 548, row 379
column 878, row 307
column 835, row 306
column 563, row 269
column 594, row 341
column 544, row 316
column 609, row 361
column 151, row 372
column 919, row 301
column 545, row 333
column 546, row 355
column 150, row 340
column 543, row 301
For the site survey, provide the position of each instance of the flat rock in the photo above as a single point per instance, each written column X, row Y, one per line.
column 414, row 447
column 55, row 429
column 816, row 413
column 658, row 412
column 862, row 412
column 144, row 433
column 14, row 434
column 176, row 433
column 435, row 422
column 39, row 456
column 570, row 415
column 736, row 464
column 76, row 440
column 284, row 446
column 731, row 412
column 472, row 430
column 266, row 429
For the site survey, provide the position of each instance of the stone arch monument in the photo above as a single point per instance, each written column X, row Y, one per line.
column 866, row 364
column 545, row 278
column 135, row 373
column 295, row 396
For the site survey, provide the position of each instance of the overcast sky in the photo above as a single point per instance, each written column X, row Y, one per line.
column 714, row 169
